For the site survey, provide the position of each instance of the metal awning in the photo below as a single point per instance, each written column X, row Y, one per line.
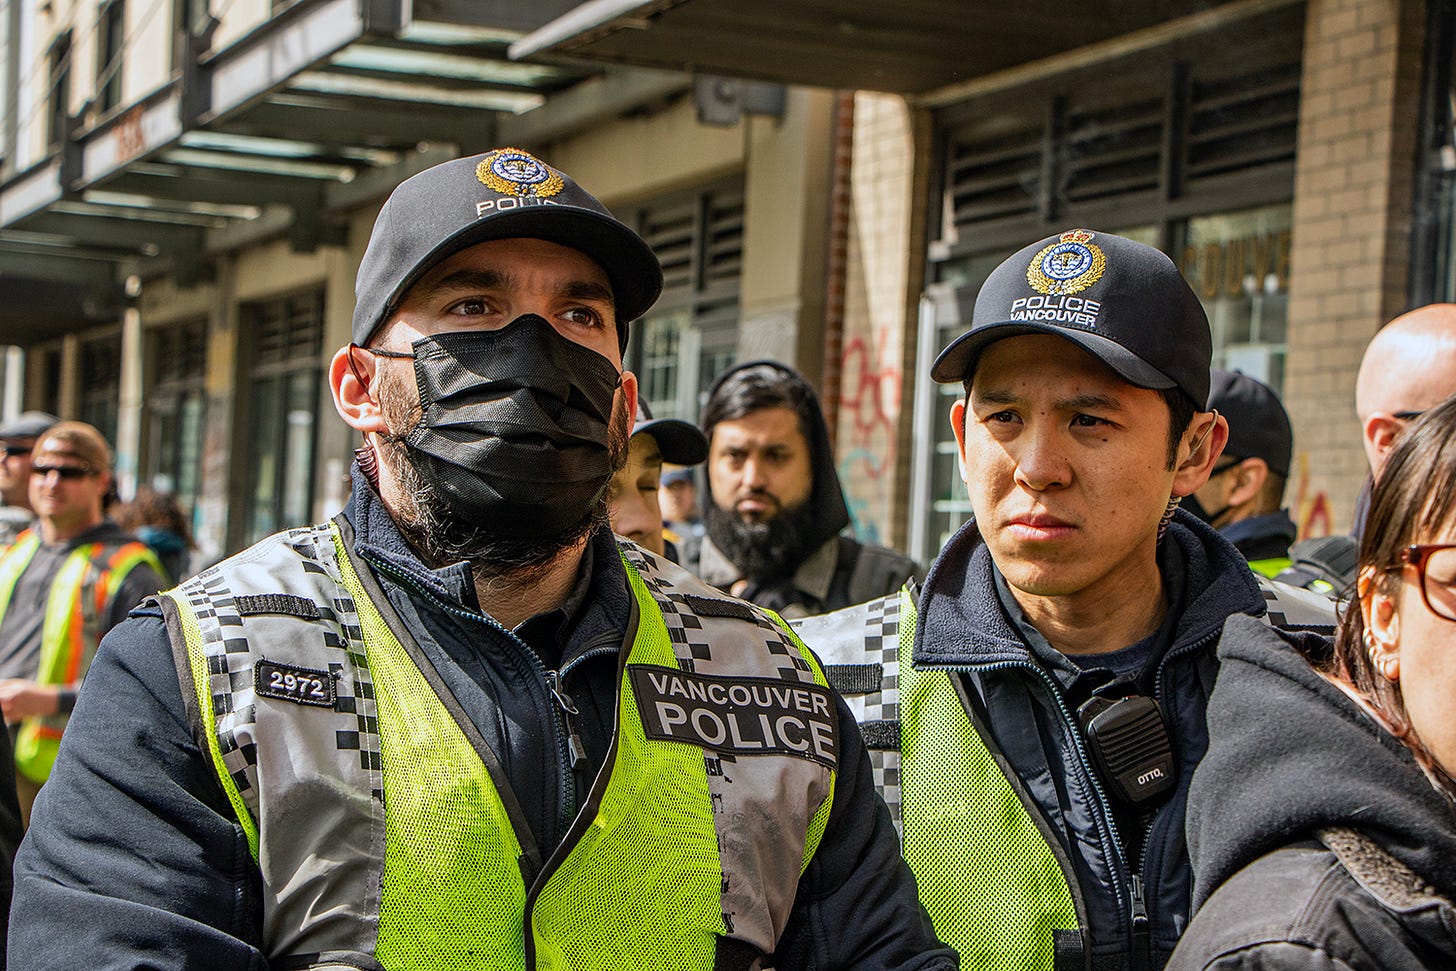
column 908, row 47
column 322, row 108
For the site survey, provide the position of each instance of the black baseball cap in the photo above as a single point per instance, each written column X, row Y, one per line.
column 1258, row 424
column 1120, row 300
column 680, row 442
column 503, row 194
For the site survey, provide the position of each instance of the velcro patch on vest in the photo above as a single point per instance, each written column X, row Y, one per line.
column 718, row 607
column 251, row 605
column 855, row 679
column 302, row 686
column 737, row 716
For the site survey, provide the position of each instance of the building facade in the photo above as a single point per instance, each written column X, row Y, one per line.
column 186, row 191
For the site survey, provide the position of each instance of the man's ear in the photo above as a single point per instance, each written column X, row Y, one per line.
column 629, row 392
column 1380, row 431
column 1200, row 448
column 958, row 428
column 1249, row 477
column 352, row 374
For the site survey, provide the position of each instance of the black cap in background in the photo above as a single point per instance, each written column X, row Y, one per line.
column 1258, row 424
column 680, row 442
column 1120, row 300
column 503, row 194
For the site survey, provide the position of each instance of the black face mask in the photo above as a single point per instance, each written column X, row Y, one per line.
column 515, row 424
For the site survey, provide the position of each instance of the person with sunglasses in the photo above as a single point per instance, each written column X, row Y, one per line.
column 17, row 438
column 63, row 585
column 1322, row 821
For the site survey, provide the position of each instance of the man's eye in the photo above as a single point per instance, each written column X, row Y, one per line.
column 1001, row 417
column 473, row 307
column 1089, row 421
column 583, row 317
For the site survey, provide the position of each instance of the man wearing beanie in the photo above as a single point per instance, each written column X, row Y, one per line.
column 1040, row 706
column 461, row 726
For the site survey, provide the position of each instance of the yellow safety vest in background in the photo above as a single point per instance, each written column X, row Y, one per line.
column 79, row 598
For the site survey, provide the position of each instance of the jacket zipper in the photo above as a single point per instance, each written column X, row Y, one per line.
column 587, row 811
column 1140, row 913
column 548, row 679
column 1128, row 895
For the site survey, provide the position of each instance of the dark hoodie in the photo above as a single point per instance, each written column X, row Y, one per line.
column 1290, row 756
column 852, row 572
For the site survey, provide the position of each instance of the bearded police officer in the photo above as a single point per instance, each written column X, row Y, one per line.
column 1041, row 736
column 461, row 726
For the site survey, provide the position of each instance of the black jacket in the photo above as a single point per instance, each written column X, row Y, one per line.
column 135, row 858
column 1317, row 840
column 1029, row 697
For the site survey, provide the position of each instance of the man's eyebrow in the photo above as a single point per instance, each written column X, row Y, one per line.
column 487, row 279
column 1079, row 402
column 464, row 279
column 588, row 290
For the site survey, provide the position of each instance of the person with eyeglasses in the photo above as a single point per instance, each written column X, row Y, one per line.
column 63, row 584
column 1322, row 821
column 17, row 438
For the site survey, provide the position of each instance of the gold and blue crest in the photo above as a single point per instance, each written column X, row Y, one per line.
column 1070, row 265
column 513, row 172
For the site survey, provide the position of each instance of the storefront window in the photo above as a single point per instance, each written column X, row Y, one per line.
column 286, row 383
column 1238, row 264
column 176, row 407
column 690, row 336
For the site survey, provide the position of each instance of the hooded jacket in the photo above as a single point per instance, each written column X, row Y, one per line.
column 1317, row 841
column 835, row 571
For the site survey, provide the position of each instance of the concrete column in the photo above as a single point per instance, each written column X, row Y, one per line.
column 129, row 410
column 786, row 233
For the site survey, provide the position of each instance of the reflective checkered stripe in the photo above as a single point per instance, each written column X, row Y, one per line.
column 1294, row 608
column 675, row 856
column 80, row 594
column 860, row 648
column 992, row 885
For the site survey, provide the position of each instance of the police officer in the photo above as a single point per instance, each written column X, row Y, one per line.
column 1041, row 734
column 63, row 584
column 460, row 726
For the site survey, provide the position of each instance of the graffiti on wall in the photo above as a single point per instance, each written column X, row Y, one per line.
column 1311, row 506
column 869, row 406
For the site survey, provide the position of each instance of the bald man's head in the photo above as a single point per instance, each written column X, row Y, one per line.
column 1409, row 366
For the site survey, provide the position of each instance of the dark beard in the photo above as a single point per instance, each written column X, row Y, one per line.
column 438, row 533
column 765, row 552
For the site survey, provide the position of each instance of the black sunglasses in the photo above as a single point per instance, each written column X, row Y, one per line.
column 68, row 472
column 7, row 451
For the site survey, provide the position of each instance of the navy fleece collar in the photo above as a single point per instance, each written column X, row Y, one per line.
column 599, row 603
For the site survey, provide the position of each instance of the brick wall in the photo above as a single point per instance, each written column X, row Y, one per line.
column 1350, row 260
